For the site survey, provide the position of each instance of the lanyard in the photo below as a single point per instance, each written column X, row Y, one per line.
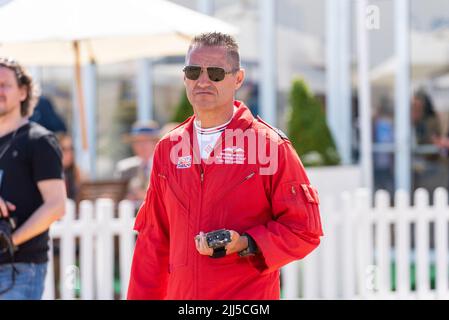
column 8, row 145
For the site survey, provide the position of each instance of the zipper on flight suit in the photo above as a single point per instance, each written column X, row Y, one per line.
column 196, row 288
column 248, row 177
column 236, row 185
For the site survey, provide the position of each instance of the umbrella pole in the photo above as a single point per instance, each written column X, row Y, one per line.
column 85, row 161
column 80, row 97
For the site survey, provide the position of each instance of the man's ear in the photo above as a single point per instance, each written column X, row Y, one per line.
column 23, row 93
column 239, row 78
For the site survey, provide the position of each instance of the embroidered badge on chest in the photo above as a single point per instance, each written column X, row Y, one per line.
column 233, row 155
column 184, row 162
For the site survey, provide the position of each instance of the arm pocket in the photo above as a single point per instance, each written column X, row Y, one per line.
column 303, row 199
column 310, row 193
column 312, row 202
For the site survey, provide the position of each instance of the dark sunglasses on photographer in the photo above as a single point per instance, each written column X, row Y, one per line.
column 215, row 74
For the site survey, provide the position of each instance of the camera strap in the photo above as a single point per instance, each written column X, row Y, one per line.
column 6, row 148
column 11, row 248
column 219, row 252
column 10, row 245
column 8, row 144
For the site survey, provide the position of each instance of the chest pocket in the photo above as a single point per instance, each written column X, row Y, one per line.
column 243, row 204
column 177, row 205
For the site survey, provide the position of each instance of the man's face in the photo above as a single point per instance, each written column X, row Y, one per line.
column 11, row 95
column 205, row 94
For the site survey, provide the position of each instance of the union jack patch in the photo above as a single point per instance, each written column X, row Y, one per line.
column 184, row 162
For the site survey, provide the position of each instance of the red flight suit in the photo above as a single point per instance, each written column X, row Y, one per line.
column 278, row 210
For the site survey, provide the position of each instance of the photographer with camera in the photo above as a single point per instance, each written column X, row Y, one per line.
column 32, row 189
column 229, row 202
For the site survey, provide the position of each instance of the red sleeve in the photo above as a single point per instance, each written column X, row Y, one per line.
column 149, row 270
column 296, row 226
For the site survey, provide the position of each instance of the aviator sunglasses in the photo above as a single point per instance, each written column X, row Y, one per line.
column 215, row 74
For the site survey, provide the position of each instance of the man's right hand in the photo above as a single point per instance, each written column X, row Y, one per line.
column 5, row 208
column 201, row 244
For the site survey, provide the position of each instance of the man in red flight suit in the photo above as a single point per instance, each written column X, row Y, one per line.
column 221, row 169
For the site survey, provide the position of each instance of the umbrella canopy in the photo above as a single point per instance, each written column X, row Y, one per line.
column 74, row 32
column 44, row 32
column 429, row 58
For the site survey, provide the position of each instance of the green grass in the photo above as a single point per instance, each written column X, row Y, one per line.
column 412, row 276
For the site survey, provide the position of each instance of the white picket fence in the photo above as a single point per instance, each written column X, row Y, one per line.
column 355, row 260
column 93, row 274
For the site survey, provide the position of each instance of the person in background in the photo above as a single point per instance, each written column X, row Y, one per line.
column 442, row 143
column 426, row 124
column 384, row 160
column 46, row 115
column 426, row 129
column 136, row 169
column 32, row 189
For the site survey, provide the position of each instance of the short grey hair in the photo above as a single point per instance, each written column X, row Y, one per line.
column 218, row 39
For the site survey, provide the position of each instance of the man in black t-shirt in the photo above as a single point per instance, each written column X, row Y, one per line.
column 32, row 189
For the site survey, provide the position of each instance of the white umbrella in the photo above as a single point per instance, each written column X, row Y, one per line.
column 44, row 32
column 429, row 58
column 73, row 32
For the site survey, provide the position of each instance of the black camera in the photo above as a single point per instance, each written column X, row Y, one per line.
column 7, row 226
column 218, row 239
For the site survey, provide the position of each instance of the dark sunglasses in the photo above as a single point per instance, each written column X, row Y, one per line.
column 215, row 73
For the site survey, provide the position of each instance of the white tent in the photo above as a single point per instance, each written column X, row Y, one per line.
column 429, row 58
column 297, row 53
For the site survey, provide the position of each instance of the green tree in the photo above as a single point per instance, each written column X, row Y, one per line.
column 183, row 109
column 307, row 128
